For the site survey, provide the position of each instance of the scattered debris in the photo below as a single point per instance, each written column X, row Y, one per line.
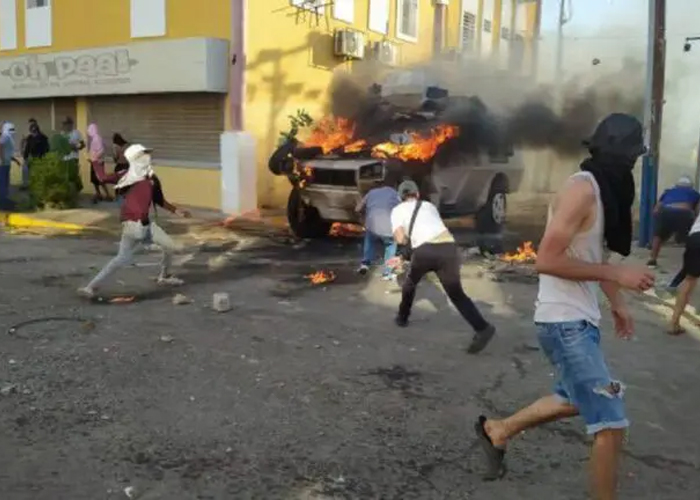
column 130, row 492
column 219, row 262
column 166, row 339
column 515, row 272
column 180, row 299
column 221, row 302
column 321, row 277
column 8, row 389
column 346, row 230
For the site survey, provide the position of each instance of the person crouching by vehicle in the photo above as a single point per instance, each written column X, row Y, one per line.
column 141, row 189
column 674, row 215
column 376, row 206
column 418, row 225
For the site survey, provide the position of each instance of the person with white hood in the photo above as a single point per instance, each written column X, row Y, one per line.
column 140, row 188
column 7, row 156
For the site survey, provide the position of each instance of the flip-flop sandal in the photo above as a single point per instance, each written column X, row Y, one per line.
column 676, row 331
column 495, row 457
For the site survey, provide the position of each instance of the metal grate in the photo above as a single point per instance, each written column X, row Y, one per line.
column 468, row 30
column 331, row 177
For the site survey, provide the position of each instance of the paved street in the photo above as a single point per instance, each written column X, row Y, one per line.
column 300, row 392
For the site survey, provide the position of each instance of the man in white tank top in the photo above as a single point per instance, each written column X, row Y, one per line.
column 593, row 207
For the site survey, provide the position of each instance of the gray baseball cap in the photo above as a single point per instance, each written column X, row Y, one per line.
column 408, row 187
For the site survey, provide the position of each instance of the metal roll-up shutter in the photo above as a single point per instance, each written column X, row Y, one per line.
column 63, row 108
column 19, row 113
column 179, row 127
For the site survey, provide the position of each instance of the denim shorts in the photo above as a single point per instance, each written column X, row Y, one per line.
column 582, row 377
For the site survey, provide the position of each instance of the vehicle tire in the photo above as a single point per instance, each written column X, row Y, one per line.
column 304, row 220
column 491, row 218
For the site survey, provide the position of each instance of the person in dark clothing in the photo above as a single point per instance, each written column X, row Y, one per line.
column 141, row 189
column 119, row 145
column 36, row 145
column 674, row 215
column 418, row 223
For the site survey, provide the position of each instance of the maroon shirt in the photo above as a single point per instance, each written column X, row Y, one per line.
column 138, row 198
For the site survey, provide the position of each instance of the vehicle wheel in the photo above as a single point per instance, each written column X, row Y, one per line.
column 492, row 216
column 305, row 221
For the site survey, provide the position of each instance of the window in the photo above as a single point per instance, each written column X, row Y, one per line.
column 8, row 24
column 38, row 31
column 147, row 18
column 487, row 25
column 505, row 33
column 317, row 6
column 468, row 30
column 407, row 20
column 379, row 16
column 344, row 10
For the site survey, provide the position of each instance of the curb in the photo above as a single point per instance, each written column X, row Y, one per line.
column 21, row 221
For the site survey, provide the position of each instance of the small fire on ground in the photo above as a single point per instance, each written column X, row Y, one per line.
column 320, row 277
column 524, row 254
column 345, row 229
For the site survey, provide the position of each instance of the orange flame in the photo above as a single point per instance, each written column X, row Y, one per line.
column 303, row 175
column 320, row 277
column 331, row 134
column 525, row 253
column 421, row 147
column 344, row 229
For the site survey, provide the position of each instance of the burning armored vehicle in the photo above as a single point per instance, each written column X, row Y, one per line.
column 453, row 147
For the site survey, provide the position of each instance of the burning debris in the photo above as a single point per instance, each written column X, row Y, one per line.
column 321, row 277
column 340, row 229
column 524, row 254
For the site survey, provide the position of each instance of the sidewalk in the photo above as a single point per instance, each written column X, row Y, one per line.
column 103, row 219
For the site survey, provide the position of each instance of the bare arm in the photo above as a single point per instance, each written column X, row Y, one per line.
column 612, row 292
column 571, row 210
column 400, row 236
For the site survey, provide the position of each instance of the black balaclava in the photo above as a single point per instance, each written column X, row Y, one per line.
column 615, row 146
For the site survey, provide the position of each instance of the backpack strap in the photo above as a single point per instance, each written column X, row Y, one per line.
column 413, row 219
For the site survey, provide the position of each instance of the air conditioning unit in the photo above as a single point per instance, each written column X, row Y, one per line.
column 349, row 43
column 385, row 52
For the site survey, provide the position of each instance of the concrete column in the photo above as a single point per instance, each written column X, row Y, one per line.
column 81, row 123
column 439, row 26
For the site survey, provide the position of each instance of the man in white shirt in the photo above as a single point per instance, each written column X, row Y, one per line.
column 75, row 139
column 433, row 249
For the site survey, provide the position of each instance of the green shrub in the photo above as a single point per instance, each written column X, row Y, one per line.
column 59, row 143
column 55, row 182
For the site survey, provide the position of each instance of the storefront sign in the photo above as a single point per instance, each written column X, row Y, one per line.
column 186, row 65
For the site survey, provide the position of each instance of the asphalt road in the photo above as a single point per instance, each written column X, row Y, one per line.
column 299, row 392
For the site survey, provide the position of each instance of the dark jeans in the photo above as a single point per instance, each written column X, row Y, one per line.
column 443, row 260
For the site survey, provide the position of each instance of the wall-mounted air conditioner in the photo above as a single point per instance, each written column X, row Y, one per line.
column 349, row 43
column 385, row 52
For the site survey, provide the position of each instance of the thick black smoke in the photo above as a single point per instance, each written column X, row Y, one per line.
column 533, row 123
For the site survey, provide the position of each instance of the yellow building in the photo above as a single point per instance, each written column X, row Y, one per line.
column 210, row 83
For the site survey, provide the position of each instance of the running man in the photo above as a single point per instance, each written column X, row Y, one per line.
column 687, row 278
column 595, row 205
column 141, row 189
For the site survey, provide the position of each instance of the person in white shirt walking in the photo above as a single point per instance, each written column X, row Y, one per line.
column 594, row 206
column 417, row 224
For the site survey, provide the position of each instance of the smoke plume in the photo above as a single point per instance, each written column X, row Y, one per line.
column 491, row 107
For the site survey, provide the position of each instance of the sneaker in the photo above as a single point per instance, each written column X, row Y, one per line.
column 481, row 339
column 651, row 263
column 170, row 281
column 363, row 269
column 401, row 322
column 389, row 277
column 86, row 292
